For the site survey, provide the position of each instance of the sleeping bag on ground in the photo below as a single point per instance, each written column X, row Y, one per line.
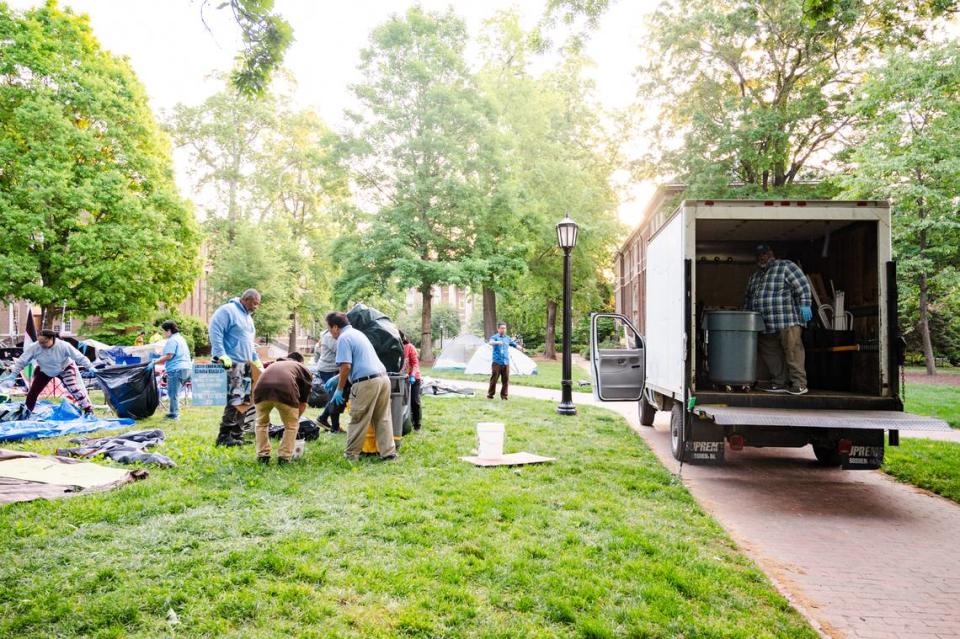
column 131, row 391
column 381, row 332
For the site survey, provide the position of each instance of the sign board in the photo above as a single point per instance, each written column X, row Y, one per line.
column 209, row 384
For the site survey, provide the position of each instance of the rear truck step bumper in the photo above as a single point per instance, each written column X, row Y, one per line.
column 858, row 436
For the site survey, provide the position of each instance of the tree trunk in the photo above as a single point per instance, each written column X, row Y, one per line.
column 426, row 336
column 49, row 315
column 489, row 311
column 550, row 345
column 925, row 327
column 292, row 339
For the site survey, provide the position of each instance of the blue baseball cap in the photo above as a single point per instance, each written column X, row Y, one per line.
column 762, row 248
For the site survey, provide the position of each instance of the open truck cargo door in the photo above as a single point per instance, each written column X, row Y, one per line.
column 618, row 358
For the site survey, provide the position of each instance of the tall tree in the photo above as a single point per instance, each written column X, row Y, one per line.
column 301, row 184
column 417, row 157
column 908, row 154
column 91, row 215
column 223, row 138
column 753, row 92
column 559, row 159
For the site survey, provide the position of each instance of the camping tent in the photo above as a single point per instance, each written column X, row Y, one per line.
column 520, row 364
column 457, row 352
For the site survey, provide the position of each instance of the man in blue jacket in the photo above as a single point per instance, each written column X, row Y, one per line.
column 500, row 364
column 232, row 343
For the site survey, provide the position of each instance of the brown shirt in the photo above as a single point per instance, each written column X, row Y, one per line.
column 287, row 382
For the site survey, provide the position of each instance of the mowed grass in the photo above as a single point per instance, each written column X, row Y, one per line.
column 936, row 400
column 548, row 375
column 602, row 543
column 930, row 464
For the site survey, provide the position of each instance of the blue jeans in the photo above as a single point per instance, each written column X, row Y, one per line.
column 176, row 379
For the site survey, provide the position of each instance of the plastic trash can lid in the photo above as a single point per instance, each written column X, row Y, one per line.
column 749, row 321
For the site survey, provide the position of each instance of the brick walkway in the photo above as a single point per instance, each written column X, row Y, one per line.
column 860, row 555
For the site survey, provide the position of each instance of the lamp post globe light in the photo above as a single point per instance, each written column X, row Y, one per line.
column 566, row 239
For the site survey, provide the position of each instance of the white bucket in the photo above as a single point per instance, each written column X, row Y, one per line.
column 490, row 436
column 298, row 448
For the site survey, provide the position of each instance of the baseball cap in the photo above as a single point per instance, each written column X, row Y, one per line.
column 762, row 248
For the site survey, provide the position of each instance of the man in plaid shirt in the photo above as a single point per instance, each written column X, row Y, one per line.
column 779, row 291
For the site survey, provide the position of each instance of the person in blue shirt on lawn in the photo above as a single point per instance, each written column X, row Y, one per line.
column 369, row 388
column 780, row 292
column 500, row 365
column 233, row 344
column 178, row 365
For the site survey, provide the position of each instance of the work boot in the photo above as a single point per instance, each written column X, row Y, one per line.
column 265, row 460
column 282, row 462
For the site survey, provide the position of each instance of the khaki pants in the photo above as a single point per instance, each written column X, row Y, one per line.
column 290, row 416
column 370, row 404
column 782, row 354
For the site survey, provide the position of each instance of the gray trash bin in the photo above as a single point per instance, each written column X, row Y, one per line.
column 400, row 405
column 732, row 346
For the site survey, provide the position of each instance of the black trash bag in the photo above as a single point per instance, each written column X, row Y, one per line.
column 131, row 391
column 318, row 394
column 382, row 333
column 309, row 430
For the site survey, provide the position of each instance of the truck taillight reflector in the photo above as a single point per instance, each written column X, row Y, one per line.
column 736, row 442
column 844, row 446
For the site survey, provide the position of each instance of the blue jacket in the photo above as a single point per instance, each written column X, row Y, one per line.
column 232, row 333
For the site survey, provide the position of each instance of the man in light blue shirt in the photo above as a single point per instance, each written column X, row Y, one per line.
column 369, row 388
column 233, row 344
column 500, row 362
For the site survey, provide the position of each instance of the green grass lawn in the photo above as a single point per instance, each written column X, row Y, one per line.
column 933, row 465
column 602, row 543
column 548, row 376
column 936, row 400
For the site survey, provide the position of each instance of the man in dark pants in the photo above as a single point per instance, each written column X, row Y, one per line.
column 500, row 365
column 232, row 343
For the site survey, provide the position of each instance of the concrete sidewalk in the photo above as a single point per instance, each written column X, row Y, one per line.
column 859, row 554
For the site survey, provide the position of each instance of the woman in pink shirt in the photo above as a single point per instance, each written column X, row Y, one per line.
column 411, row 367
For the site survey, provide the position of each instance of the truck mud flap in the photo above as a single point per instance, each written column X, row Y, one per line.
column 866, row 451
column 705, row 444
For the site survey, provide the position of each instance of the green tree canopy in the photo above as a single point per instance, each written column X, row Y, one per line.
column 907, row 153
column 752, row 92
column 90, row 213
column 418, row 157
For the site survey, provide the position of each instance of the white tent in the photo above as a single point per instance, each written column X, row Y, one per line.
column 520, row 364
column 457, row 352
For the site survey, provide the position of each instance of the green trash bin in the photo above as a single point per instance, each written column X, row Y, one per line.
column 732, row 347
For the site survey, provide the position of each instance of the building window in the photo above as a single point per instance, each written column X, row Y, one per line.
column 66, row 324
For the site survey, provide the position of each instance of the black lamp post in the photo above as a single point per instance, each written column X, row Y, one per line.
column 567, row 239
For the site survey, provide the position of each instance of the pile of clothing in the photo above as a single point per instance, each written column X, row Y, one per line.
column 128, row 448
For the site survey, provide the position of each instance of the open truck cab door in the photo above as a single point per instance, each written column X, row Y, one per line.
column 618, row 358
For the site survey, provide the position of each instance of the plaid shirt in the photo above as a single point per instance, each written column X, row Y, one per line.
column 777, row 292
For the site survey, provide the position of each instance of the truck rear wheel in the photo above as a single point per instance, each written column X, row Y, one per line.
column 827, row 455
column 647, row 412
column 678, row 435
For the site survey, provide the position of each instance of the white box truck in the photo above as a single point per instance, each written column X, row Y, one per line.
column 677, row 268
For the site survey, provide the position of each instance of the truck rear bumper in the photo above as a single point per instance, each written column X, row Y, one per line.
column 813, row 418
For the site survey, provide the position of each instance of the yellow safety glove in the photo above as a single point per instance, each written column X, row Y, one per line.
column 226, row 361
column 259, row 364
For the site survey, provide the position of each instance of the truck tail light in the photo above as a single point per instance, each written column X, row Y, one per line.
column 844, row 446
column 736, row 442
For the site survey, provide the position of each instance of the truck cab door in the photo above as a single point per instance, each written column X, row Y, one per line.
column 618, row 359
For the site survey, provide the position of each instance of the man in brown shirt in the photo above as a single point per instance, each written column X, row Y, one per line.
column 284, row 385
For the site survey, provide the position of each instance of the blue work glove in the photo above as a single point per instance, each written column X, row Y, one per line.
column 338, row 397
column 413, row 380
column 331, row 383
column 806, row 313
column 150, row 365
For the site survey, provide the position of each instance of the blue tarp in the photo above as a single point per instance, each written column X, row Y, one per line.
column 52, row 420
